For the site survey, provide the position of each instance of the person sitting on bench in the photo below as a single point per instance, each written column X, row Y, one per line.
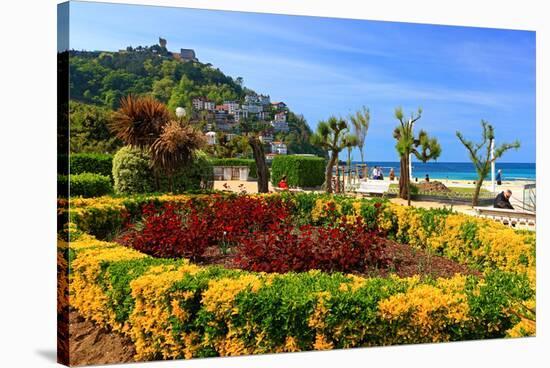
column 503, row 200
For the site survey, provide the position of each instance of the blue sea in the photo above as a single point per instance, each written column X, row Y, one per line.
column 458, row 170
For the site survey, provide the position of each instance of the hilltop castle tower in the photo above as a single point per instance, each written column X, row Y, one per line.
column 162, row 42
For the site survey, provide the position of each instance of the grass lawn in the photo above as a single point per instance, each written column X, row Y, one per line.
column 459, row 190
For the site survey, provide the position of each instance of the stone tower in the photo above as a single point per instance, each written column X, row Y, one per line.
column 162, row 42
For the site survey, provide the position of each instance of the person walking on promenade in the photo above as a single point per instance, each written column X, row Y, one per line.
column 499, row 177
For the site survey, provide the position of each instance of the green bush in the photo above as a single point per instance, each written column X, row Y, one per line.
column 132, row 171
column 197, row 175
column 96, row 163
column 88, row 185
column 237, row 162
column 132, row 174
column 301, row 171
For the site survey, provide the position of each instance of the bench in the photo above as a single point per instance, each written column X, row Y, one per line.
column 507, row 216
column 373, row 187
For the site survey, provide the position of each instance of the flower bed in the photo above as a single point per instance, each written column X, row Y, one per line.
column 171, row 308
column 174, row 309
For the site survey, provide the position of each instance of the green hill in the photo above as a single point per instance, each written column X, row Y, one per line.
column 99, row 79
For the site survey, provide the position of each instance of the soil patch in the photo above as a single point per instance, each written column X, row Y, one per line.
column 92, row 345
column 433, row 187
column 404, row 261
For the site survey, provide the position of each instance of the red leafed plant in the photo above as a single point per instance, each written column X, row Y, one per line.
column 345, row 248
column 167, row 233
column 186, row 230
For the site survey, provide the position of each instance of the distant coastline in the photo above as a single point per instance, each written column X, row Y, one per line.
column 511, row 171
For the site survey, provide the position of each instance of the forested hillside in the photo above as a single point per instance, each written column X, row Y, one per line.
column 99, row 79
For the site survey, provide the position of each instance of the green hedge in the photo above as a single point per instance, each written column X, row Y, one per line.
column 212, row 311
column 96, row 163
column 87, row 184
column 237, row 162
column 132, row 174
column 301, row 171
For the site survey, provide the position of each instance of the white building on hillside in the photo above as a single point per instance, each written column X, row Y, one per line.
column 232, row 106
column 209, row 105
column 211, row 138
column 240, row 114
column 266, row 138
column 264, row 100
column 251, row 99
column 252, row 108
column 198, row 103
column 280, row 116
column 279, row 126
column 278, row 148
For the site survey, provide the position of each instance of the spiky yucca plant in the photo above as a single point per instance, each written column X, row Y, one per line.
column 139, row 120
column 175, row 147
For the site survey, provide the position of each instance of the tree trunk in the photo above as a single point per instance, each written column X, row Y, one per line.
column 475, row 200
column 349, row 168
column 404, row 179
column 261, row 166
column 328, row 173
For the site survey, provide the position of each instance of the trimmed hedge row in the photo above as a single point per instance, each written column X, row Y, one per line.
column 301, row 171
column 96, row 163
column 85, row 185
column 174, row 309
column 253, row 173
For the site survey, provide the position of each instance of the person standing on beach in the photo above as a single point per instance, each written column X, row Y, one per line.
column 392, row 174
column 427, row 178
column 503, row 200
column 499, row 177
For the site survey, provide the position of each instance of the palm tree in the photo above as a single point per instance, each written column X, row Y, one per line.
column 408, row 144
column 146, row 123
column 482, row 162
column 175, row 147
column 139, row 120
column 361, row 122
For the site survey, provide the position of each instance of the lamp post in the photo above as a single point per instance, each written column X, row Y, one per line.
column 410, row 166
column 493, row 165
column 180, row 112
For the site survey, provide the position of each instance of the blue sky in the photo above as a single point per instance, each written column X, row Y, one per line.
column 324, row 66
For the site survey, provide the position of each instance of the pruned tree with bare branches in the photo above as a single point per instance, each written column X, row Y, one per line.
column 423, row 147
column 330, row 137
column 482, row 161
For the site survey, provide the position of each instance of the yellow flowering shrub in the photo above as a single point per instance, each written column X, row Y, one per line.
column 151, row 314
column 174, row 309
column 425, row 311
column 85, row 292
